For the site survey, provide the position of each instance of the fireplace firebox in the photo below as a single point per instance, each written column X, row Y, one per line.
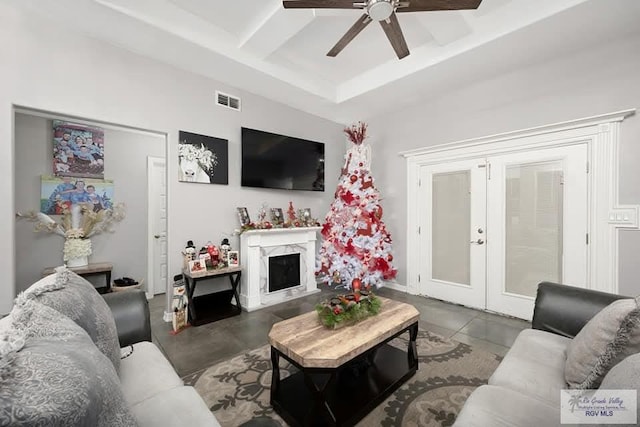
column 284, row 272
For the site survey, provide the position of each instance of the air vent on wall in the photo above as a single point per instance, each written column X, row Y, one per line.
column 228, row 101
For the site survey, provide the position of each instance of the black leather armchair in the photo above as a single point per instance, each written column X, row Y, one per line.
column 564, row 310
column 131, row 312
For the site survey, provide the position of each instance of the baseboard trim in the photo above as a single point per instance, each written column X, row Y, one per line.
column 395, row 286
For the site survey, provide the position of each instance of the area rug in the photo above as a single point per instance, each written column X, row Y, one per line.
column 237, row 390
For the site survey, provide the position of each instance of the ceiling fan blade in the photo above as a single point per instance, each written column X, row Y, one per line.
column 431, row 5
column 319, row 4
column 350, row 35
column 395, row 36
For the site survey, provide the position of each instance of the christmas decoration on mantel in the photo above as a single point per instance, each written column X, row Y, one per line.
column 356, row 242
column 293, row 220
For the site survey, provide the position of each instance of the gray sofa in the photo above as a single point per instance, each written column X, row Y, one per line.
column 525, row 388
column 70, row 357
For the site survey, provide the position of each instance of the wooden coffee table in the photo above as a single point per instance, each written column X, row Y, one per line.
column 344, row 373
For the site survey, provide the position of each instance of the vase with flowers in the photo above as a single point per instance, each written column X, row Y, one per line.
column 77, row 224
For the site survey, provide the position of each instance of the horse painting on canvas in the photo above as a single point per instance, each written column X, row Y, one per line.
column 196, row 163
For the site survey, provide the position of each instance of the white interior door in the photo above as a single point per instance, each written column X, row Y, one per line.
column 537, row 220
column 493, row 228
column 452, row 226
column 157, row 226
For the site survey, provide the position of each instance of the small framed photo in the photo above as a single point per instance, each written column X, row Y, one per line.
column 306, row 214
column 208, row 262
column 243, row 215
column 276, row 216
column 197, row 266
column 233, row 259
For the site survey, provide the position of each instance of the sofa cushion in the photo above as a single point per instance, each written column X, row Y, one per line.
column 610, row 336
column 498, row 406
column 145, row 372
column 534, row 366
column 77, row 299
column 180, row 406
column 59, row 377
column 625, row 376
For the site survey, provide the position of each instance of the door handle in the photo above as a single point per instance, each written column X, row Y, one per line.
column 478, row 242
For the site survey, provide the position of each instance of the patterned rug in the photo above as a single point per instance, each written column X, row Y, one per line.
column 237, row 390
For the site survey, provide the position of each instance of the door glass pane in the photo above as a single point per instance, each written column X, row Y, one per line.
column 533, row 246
column 451, row 216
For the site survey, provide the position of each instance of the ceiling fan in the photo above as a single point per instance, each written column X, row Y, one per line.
column 383, row 11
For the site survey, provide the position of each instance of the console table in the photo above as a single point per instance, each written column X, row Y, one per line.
column 214, row 306
column 92, row 269
column 343, row 373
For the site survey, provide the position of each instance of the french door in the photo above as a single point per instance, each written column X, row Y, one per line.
column 494, row 227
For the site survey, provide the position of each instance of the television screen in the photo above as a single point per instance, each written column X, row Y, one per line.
column 277, row 161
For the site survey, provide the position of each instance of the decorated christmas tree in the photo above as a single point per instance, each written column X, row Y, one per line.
column 356, row 242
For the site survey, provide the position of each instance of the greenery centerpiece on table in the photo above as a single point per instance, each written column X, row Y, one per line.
column 347, row 309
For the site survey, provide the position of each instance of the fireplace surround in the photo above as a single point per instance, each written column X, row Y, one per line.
column 262, row 250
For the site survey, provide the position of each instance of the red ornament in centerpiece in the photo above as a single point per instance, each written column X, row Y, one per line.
column 356, row 284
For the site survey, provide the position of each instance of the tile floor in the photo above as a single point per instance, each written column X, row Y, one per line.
column 198, row 347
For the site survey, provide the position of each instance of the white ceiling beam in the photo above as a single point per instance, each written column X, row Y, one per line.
column 445, row 27
column 275, row 30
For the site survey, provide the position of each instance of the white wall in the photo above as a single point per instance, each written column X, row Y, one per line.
column 44, row 66
column 599, row 80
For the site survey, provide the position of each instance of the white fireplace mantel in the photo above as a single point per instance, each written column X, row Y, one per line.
column 256, row 246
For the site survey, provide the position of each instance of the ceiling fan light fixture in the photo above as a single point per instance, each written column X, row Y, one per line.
column 380, row 10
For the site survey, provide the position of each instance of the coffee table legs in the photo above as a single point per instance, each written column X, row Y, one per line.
column 275, row 373
column 412, row 350
column 319, row 396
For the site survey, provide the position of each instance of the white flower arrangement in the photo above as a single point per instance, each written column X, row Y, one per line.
column 77, row 222
column 76, row 248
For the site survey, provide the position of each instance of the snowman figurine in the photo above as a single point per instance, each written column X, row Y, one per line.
column 190, row 250
column 225, row 247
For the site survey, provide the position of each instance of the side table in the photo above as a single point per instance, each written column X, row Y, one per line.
column 214, row 306
column 92, row 269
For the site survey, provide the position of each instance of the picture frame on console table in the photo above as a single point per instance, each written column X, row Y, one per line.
column 197, row 266
column 233, row 259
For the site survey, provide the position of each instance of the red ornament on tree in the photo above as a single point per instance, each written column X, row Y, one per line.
column 347, row 197
column 353, row 178
column 356, row 284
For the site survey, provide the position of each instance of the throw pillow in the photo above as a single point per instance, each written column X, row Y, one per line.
column 78, row 300
column 625, row 376
column 610, row 336
column 59, row 377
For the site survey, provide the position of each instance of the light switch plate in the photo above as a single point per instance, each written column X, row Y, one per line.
column 624, row 216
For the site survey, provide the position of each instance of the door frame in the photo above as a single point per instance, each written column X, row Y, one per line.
column 150, row 289
column 605, row 215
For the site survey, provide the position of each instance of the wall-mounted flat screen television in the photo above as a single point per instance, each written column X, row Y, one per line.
column 270, row 160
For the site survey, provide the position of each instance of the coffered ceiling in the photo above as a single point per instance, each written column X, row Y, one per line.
column 260, row 47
